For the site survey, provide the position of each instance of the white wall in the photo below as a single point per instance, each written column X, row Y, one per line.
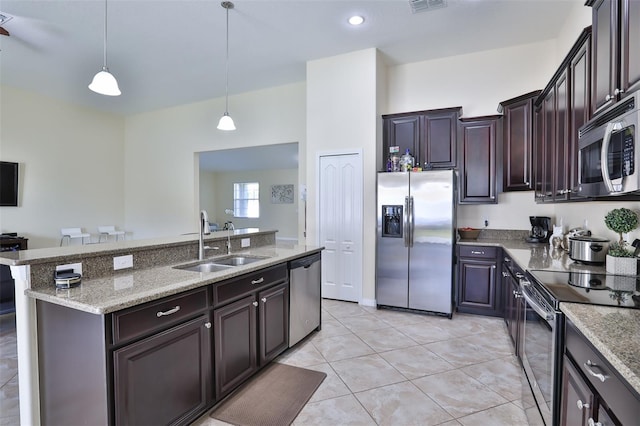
column 161, row 194
column 217, row 188
column 71, row 166
column 342, row 115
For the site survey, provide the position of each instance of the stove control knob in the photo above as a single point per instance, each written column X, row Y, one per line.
column 581, row 405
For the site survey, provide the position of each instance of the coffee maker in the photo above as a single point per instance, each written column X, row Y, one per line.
column 540, row 229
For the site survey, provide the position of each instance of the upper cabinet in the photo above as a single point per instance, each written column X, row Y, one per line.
column 477, row 151
column 517, row 132
column 430, row 136
column 560, row 110
column 616, row 50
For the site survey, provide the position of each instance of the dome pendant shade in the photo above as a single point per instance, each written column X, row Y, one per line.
column 226, row 122
column 105, row 83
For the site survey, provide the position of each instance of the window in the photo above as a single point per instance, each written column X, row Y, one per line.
column 246, row 200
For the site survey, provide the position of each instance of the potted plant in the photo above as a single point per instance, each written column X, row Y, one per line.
column 620, row 259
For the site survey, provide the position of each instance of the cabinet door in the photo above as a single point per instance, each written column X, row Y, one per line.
column 517, row 130
column 576, row 398
column 605, row 56
column 235, row 341
column 274, row 322
column 580, row 109
column 166, row 378
column 548, row 145
column 561, row 149
column 509, row 287
column 478, row 156
column 477, row 292
column 630, row 46
column 440, row 136
column 403, row 132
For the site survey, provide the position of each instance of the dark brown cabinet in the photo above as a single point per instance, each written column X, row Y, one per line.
column 513, row 303
column 479, row 289
column 165, row 378
column 592, row 391
column 251, row 325
column 616, row 50
column 430, row 135
column 477, row 152
column 517, row 134
column 560, row 110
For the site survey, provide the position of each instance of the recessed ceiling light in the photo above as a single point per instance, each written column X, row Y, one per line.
column 356, row 20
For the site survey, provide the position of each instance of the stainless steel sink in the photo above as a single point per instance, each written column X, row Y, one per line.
column 221, row 263
column 237, row 260
column 204, row 267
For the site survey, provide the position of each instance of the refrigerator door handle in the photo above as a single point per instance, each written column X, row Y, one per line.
column 405, row 222
column 411, row 221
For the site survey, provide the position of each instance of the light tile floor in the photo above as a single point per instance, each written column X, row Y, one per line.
column 384, row 367
column 387, row 367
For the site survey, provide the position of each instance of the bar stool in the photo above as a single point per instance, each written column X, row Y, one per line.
column 71, row 233
column 106, row 231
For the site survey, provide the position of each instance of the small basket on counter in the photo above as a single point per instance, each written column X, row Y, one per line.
column 469, row 233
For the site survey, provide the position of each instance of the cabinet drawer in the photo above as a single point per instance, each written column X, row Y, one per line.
column 236, row 288
column 484, row 252
column 154, row 316
column 620, row 399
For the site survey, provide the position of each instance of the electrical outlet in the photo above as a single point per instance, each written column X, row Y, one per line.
column 485, row 221
column 245, row 242
column 77, row 267
column 122, row 262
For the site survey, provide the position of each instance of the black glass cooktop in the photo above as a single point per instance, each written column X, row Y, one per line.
column 589, row 287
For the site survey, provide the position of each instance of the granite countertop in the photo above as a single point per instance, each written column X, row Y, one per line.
column 615, row 332
column 129, row 288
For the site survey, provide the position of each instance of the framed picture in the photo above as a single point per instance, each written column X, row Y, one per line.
column 282, row 194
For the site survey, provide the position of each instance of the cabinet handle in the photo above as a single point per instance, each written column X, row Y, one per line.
column 264, row 300
column 258, row 281
column 255, row 303
column 169, row 312
column 519, row 275
column 592, row 422
column 608, row 98
column 581, row 404
column 505, row 274
column 587, row 365
column 493, row 266
column 618, row 91
column 207, row 325
column 476, row 252
column 507, row 260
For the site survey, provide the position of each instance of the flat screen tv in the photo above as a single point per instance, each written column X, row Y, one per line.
column 8, row 184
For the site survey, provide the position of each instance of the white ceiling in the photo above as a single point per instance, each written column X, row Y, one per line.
column 171, row 52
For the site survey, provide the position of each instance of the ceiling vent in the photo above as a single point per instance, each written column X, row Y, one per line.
column 425, row 5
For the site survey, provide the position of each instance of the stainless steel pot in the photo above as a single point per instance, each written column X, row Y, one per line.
column 591, row 250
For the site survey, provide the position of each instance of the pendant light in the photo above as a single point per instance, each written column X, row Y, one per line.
column 226, row 122
column 104, row 82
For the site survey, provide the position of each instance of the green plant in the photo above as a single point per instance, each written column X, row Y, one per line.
column 621, row 221
column 618, row 250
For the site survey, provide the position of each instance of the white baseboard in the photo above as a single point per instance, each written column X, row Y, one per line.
column 368, row 302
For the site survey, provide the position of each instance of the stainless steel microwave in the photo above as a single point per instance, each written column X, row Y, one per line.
column 608, row 154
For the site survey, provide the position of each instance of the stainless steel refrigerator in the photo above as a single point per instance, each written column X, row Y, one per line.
column 415, row 240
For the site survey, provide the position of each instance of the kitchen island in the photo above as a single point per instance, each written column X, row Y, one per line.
column 105, row 293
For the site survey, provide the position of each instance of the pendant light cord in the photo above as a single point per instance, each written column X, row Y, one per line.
column 226, row 88
column 104, row 44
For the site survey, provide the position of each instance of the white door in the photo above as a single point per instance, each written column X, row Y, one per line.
column 340, row 226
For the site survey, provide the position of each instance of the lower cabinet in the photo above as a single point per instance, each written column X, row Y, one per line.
column 512, row 302
column 166, row 378
column 251, row 331
column 479, row 289
column 592, row 391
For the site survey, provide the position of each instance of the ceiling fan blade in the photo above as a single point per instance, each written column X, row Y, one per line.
column 4, row 32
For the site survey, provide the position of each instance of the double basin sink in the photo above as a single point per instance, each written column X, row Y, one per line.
column 221, row 263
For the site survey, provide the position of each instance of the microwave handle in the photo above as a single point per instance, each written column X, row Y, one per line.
column 604, row 165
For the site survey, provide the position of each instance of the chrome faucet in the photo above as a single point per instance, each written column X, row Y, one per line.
column 230, row 228
column 204, row 230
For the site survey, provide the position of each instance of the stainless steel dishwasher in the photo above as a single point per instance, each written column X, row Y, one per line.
column 304, row 297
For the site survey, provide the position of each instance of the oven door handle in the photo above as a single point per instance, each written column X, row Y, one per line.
column 535, row 305
column 604, row 164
